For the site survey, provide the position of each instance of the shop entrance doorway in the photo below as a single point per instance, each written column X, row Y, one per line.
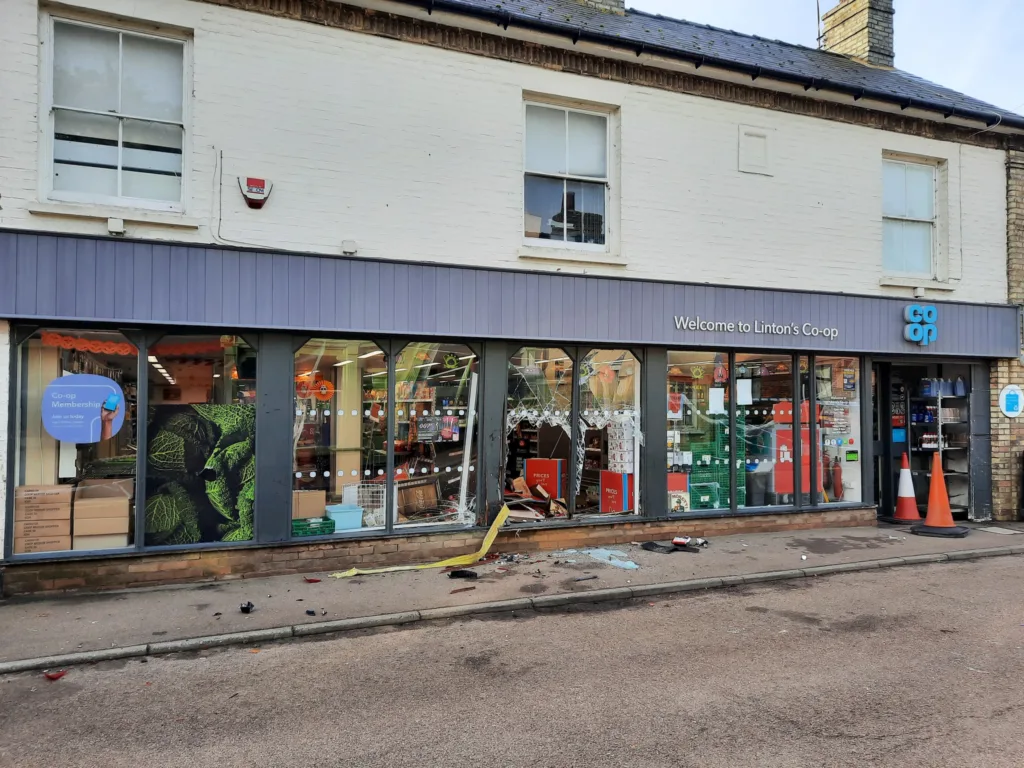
column 922, row 410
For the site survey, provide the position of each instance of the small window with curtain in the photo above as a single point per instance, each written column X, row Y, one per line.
column 566, row 177
column 908, row 218
column 117, row 116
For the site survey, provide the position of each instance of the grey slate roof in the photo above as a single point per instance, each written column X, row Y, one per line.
column 747, row 53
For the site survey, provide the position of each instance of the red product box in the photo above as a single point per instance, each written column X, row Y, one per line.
column 616, row 492
column 549, row 474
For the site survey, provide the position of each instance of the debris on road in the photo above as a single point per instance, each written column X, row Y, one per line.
column 55, row 675
column 247, row 607
column 461, row 589
column 803, row 557
column 585, row 578
column 463, row 573
column 310, row 612
column 667, row 549
column 309, row 580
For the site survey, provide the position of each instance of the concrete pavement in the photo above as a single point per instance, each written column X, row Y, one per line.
column 72, row 623
column 911, row 666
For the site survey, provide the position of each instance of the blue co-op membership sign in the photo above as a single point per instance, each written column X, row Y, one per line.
column 75, row 408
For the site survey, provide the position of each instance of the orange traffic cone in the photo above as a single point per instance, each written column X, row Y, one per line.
column 939, row 520
column 906, row 501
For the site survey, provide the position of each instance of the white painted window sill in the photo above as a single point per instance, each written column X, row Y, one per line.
column 575, row 255
column 927, row 283
column 104, row 212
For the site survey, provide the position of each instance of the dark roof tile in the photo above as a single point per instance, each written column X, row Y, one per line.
column 727, row 48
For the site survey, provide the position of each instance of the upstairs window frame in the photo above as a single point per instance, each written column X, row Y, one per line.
column 907, row 216
column 605, row 180
column 49, row 108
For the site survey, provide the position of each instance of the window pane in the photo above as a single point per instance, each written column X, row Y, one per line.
column 892, row 246
column 920, row 191
column 588, row 153
column 543, row 203
column 894, row 189
column 538, row 429
column 917, row 247
column 609, row 427
column 151, row 161
column 85, row 67
column 545, row 140
column 435, row 434
column 201, row 462
column 151, row 80
column 698, row 431
column 76, row 440
column 85, row 153
column 764, row 430
column 339, row 437
column 839, row 445
column 585, row 220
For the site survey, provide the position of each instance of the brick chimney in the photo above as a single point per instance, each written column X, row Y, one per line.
column 608, row 6
column 860, row 29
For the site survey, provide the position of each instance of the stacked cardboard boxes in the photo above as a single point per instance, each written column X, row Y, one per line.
column 42, row 518
column 101, row 514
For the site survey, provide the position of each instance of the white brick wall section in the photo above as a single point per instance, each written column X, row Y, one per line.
column 428, row 166
column 5, row 388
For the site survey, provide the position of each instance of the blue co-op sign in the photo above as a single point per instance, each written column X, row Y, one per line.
column 920, row 320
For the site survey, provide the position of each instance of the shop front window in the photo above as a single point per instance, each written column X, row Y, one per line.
column 698, row 431
column 764, row 430
column 339, row 435
column 201, row 428
column 608, row 458
column 538, row 430
column 435, row 434
column 838, row 381
column 75, row 453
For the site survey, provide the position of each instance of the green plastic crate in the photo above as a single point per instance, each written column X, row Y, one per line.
column 705, row 496
column 313, row 527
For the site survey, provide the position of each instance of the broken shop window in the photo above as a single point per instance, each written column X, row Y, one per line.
column 610, row 435
column 538, row 432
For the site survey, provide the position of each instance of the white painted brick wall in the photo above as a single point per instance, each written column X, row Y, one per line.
column 416, row 153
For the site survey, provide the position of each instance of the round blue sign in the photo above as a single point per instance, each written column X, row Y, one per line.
column 82, row 408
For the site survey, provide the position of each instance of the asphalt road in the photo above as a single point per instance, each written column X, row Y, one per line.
column 901, row 667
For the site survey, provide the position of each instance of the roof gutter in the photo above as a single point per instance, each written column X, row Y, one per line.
column 505, row 19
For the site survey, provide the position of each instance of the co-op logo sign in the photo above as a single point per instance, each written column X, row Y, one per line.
column 920, row 320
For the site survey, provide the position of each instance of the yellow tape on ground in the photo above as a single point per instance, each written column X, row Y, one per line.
column 492, row 534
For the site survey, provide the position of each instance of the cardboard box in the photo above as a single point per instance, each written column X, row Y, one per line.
column 42, row 495
column 307, row 504
column 54, row 512
column 416, row 496
column 41, row 544
column 110, row 541
column 549, row 474
column 42, row 502
column 100, row 526
column 103, row 499
column 36, row 529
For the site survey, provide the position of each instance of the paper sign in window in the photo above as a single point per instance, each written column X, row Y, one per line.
column 744, row 392
column 716, row 400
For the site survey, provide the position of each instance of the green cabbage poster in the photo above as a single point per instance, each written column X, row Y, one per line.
column 201, row 473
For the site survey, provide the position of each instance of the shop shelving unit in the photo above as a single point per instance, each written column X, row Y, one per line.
column 952, row 443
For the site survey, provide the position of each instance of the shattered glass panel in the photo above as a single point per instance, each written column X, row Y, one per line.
column 538, row 433
column 608, row 480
